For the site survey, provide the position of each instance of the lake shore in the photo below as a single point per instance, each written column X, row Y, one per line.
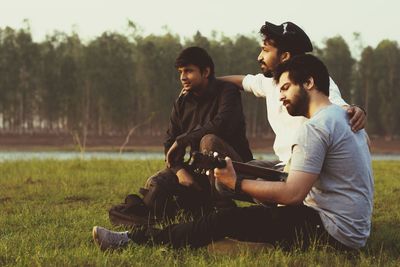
column 64, row 142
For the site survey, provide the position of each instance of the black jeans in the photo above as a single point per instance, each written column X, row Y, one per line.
column 165, row 196
column 286, row 226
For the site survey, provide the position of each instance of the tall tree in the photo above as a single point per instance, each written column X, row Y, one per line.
column 110, row 76
column 387, row 69
column 51, row 111
column 366, row 89
column 157, row 78
column 336, row 55
column 19, row 63
column 198, row 40
column 74, row 100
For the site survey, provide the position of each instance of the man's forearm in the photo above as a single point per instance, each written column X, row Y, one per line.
column 264, row 191
column 291, row 192
column 235, row 79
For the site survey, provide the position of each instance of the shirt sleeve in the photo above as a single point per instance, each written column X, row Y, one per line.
column 257, row 84
column 334, row 94
column 309, row 149
column 229, row 109
column 173, row 129
column 173, row 133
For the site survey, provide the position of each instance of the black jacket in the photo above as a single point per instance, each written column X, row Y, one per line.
column 217, row 111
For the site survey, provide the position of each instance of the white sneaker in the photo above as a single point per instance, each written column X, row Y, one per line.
column 107, row 239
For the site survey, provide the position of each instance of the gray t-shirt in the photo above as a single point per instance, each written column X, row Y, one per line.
column 343, row 192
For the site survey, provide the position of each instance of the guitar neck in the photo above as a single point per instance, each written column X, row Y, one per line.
column 260, row 172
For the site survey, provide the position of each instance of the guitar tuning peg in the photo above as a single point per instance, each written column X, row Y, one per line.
column 215, row 154
column 208, row 172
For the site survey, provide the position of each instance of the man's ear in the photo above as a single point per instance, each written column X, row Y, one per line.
column 285, row 56
column 207, row 72
column 309, row 84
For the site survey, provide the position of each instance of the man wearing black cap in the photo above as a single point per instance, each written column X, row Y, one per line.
column 324, row 199
column 280, row 43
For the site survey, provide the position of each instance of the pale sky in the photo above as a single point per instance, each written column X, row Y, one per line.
column 374, row 19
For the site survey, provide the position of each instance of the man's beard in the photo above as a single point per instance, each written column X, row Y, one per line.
column 299, row 105
column 268, row 73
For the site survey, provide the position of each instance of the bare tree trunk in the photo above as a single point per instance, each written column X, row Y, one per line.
column 86, row 111
column 20, row 115
column 133, row 129
column 99, row 120
column 366, row 91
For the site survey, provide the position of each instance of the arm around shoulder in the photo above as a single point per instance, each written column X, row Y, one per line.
column 235, row 79
column 334, row 94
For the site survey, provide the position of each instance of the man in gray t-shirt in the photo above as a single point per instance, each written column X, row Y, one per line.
column 343, row 192
column 326, row 197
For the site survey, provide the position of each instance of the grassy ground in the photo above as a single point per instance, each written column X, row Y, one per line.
column 48, row 208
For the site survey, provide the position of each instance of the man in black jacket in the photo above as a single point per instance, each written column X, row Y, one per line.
column 207, row 116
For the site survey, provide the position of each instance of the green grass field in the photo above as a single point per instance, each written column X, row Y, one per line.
column 48, row 208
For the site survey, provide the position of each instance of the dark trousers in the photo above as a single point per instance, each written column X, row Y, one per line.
column 166, row 196
column 286, row 226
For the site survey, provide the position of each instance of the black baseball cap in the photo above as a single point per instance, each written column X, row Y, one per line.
column 289, row 36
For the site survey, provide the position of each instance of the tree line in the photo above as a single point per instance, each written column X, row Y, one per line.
column 117, row 82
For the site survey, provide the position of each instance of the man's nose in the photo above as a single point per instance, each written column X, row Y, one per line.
column 281, row 96
column 260, row 58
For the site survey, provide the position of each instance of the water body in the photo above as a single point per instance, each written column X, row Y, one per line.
column 65, row 155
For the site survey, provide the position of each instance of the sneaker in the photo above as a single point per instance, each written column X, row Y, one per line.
column 107, row 239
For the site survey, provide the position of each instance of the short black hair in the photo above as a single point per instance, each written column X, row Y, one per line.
column 303, row 67
column 197, row 56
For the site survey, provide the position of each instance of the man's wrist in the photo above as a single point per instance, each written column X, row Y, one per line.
column 238, row 185
column 360, row 107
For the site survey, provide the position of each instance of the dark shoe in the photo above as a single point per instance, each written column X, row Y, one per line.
column 131, row 213
column 135, row 205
